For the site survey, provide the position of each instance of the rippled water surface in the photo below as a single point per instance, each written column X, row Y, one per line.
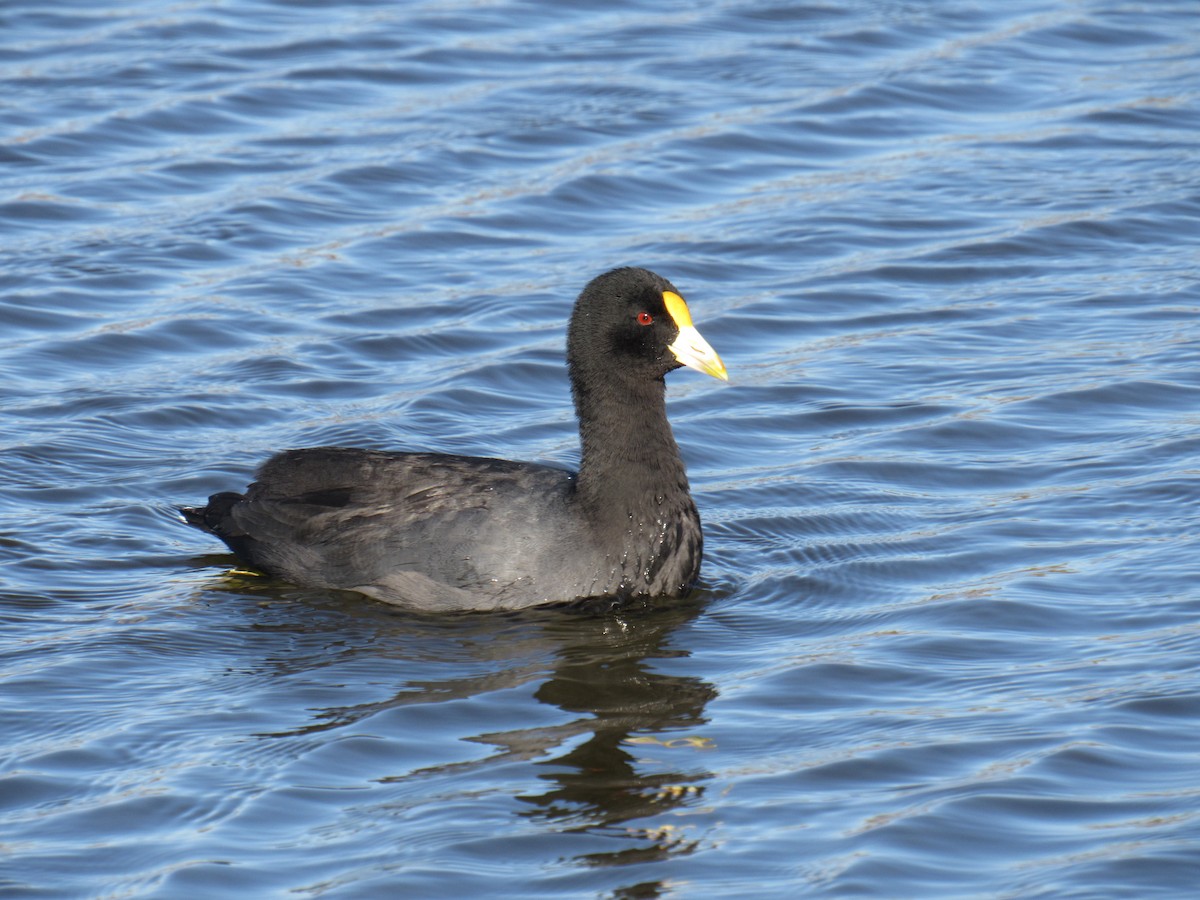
column 947, row 639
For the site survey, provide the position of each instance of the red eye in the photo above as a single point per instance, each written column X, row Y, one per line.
column 644, row 318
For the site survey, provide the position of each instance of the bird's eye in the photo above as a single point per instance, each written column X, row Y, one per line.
column 644, row 318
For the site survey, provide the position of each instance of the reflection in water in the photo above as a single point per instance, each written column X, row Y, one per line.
column 625, row 717
column 605, row 673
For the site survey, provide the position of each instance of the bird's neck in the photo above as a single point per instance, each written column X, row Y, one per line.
column 630, row 464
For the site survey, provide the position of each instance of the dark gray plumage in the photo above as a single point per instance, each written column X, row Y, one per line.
column 441, row 532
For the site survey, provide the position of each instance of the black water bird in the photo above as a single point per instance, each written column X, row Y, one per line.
column 439, row 532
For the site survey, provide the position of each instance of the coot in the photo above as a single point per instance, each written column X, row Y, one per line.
column 439, row 532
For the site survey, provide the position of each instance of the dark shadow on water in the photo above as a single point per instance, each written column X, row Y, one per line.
column 608, row 766
column 606, row 675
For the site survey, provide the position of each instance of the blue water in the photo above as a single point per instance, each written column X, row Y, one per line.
column 947, row 642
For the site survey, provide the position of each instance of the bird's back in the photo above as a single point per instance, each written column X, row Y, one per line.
column 423, row 529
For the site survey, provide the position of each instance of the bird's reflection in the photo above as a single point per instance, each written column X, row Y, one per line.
column 622, row 755
column 605, row 673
